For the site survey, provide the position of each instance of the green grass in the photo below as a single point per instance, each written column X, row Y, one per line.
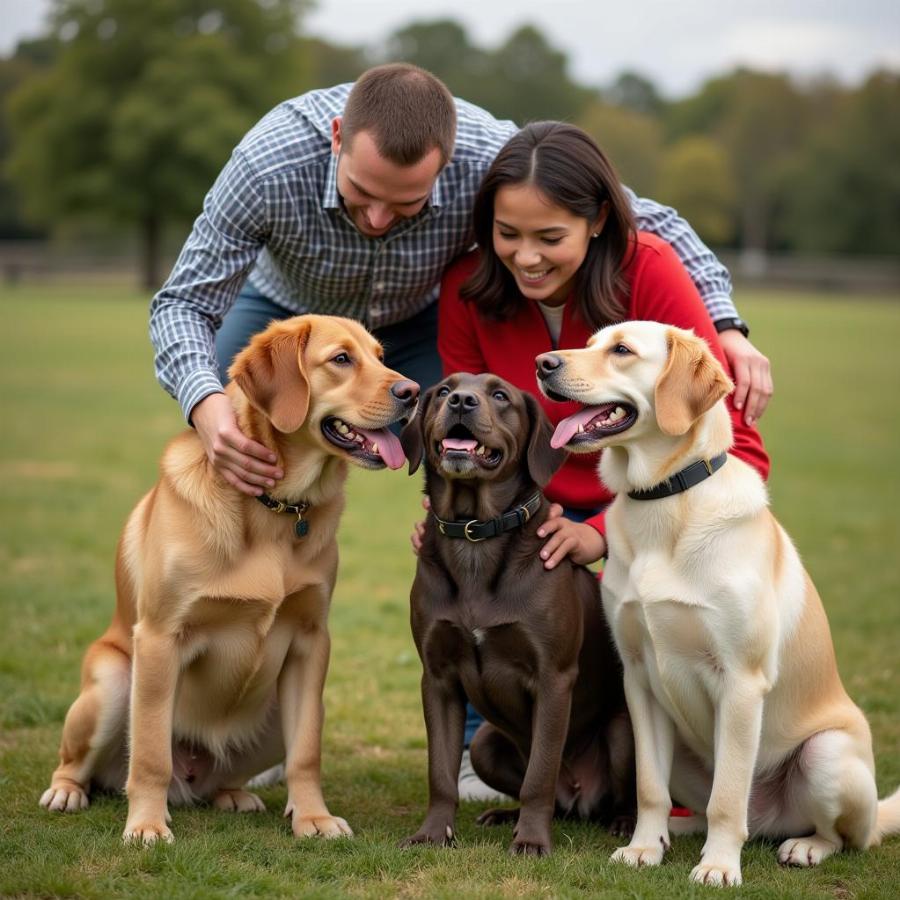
column 83, row 424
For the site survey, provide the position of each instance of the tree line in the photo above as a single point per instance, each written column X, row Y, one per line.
column 125, row 111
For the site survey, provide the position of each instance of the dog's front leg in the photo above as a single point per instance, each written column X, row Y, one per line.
column 300, row 686
column 549, row 728
column 653, row 748
column 738, row 724
column 153, row 686
column 444, row 703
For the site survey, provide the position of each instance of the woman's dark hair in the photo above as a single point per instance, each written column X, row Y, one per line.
column 571, row 171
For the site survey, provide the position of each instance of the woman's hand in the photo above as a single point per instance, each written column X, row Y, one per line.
column 419, row 528
column 752, row 374
column 576, row 540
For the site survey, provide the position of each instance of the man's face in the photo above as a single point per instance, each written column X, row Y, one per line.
column 376, row 192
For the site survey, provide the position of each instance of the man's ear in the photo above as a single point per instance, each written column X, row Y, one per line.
column 691, row 383
column 336, row 137
column 271, row 374
column 412, row 438
column 542, row 459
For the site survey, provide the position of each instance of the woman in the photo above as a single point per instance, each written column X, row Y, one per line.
column 559, row 259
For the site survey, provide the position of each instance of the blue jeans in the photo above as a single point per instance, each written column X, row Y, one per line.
column 410, row 346
column 473, row 717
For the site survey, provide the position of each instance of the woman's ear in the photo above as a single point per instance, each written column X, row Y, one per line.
column 600, row 221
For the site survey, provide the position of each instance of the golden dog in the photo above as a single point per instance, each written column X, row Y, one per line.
column 730, row 673
column 218, row 646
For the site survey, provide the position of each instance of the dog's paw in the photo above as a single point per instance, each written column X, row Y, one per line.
column 147, row 833
column 438, row 837
column 320, row 826
column 805, row 851
column 622, row 826
column 638, row 856
column 68, row 797
column 238, row 801
column 499, row 816
column 529, row 847
column 718, row 873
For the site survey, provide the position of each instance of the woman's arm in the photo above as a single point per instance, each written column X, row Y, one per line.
column 458, row 344
column 662, row 291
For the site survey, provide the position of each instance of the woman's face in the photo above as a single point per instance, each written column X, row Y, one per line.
column 542, row 244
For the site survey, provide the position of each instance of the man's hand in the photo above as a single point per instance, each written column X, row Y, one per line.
column 752, row 374
column 243, row 463
column 574, row 539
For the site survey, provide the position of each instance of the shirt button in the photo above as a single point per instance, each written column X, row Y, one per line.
column 379, row 285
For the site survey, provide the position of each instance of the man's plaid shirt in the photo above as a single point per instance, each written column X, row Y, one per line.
column 274, row 214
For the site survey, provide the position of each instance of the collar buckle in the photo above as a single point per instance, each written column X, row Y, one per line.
column 467, row 536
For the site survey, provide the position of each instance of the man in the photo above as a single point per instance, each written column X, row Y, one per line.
column 353, row 202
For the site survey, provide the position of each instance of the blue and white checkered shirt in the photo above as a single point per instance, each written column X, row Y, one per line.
column 274, row 215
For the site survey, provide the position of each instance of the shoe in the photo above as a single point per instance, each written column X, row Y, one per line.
column 275, row 775
column 471, row 787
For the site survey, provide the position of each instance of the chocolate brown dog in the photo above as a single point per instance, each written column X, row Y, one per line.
column 528, row 646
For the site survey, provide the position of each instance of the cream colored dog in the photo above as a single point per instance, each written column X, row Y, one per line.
column 730, row 674
column 218, row 646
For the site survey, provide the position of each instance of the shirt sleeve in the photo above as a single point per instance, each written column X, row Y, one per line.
column 662, row 291
column 212, row 267
column 458, row 344
column 710, row 277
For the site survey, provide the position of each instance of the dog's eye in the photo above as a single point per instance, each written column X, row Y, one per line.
column 621, row 350
column 443, row 391
column 501, row 395
column 342, row 359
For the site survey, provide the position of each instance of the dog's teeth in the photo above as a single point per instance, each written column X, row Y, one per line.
column 342, row 428
column 580, row 428
column 620, row 412
column 481, row 450
column 374, row 448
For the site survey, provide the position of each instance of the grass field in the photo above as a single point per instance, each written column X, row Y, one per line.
column 83, row 425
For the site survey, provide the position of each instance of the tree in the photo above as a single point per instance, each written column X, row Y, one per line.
column 143, row 105
column 632, row 91
column 843, row 188
column 696, row 178
column 760, row 119
column 528, row 81
column 632, row 141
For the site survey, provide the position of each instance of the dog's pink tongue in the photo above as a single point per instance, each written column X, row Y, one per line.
column 389, row 448
column 566, row 429
column 459, row 444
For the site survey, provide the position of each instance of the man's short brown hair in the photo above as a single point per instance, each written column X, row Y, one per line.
column 407, row 111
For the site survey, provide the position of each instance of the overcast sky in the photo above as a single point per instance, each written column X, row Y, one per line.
column 676, row 43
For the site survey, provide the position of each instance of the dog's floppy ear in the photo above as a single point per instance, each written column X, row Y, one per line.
column 412, row 438
column 691, row 383
column 543, row 460
column 271, row 374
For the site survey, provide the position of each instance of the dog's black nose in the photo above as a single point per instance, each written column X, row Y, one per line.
column 547, row 363
column 405, row 391
column 463, row 400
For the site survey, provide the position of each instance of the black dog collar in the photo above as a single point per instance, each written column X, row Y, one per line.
column 681, row 481
column 475, row 530
column 301, row 526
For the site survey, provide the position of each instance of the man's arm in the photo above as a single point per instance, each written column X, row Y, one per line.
column 753, row 376
column 187, row 311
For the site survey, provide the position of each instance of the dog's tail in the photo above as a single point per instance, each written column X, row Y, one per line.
column 888, row 819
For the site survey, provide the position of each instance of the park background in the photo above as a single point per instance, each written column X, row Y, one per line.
column 116, row 117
